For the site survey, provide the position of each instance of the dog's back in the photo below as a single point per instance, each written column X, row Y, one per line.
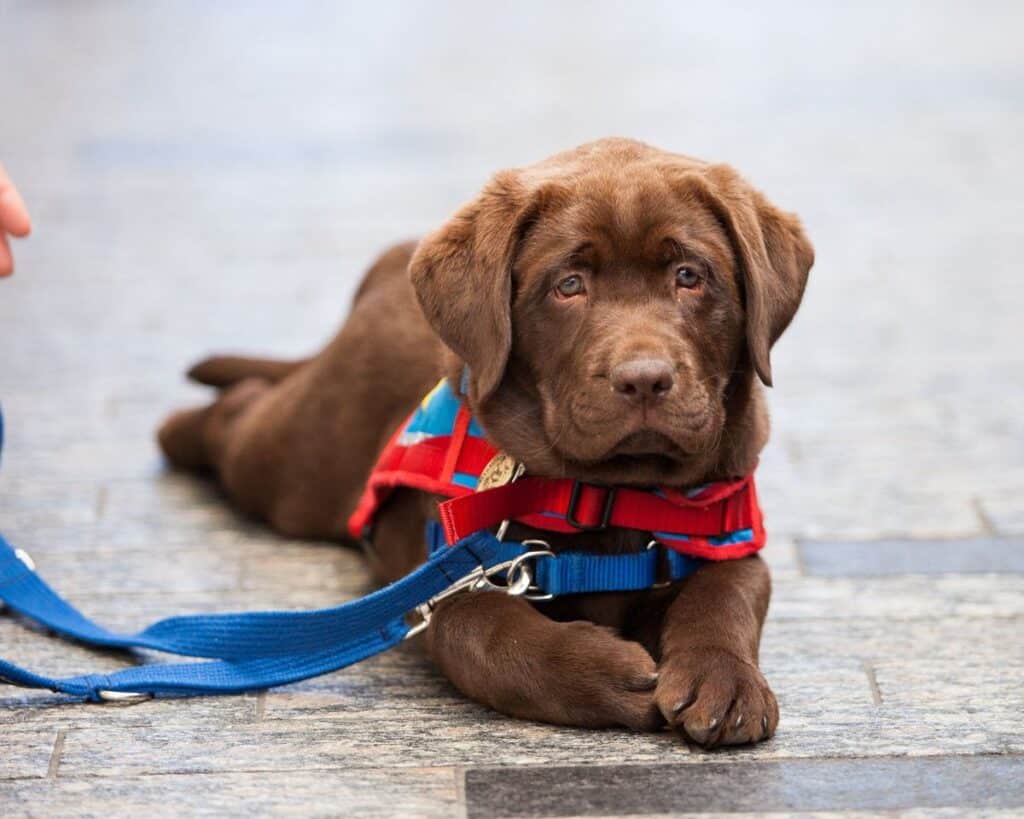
column 293, row 442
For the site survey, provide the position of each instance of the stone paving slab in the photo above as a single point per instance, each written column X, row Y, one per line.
column 27, row 753
column 913, row 813
column 807, row 785
column 307, row 731
column 903, row 597
column 901, row 557
column 42, row 709
column 423, row 792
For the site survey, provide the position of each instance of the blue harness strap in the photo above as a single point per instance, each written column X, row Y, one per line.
column 257, row 650
column 585, row 573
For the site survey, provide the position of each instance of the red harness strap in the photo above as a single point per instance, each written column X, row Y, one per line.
column 562, row 505
column 440, row 450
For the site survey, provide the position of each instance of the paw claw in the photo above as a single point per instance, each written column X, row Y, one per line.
column 652, row 680
column 682, row 705
column 727, row 699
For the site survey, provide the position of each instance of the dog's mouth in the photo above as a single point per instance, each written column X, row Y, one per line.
column 645, row 454
column 647, row 443
column 640, row 449
column 646, row 451
column 648, row 464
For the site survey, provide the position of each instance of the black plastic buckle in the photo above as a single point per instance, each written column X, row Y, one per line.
column 606, row 513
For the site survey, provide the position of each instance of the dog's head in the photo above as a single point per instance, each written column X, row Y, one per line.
column 612, row 305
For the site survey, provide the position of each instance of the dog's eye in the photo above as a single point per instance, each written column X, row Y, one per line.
column 687, row 278
column 570, row 286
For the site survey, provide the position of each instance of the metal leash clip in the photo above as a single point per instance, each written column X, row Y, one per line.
column 519, row 574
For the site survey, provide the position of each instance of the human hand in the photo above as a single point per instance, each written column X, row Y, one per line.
column 14, row 220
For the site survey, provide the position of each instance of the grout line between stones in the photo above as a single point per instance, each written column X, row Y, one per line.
column 56, row 754
column 101, row 502
column 461, row 808
column 876, row 692
column 987, row 525
column 798, row 558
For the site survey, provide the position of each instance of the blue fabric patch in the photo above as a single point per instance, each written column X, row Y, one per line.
column 435, row 416
column 465, row 479
column 739, row 536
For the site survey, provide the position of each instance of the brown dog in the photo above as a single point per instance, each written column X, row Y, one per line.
column 615, row 306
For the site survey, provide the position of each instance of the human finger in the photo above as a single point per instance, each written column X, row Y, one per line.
column 14, row 216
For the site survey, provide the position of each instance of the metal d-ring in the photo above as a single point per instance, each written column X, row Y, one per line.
column 520, row 574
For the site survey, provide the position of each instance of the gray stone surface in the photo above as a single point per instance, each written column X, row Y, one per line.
column 877, row 558
column 216, row 176
column 424, row 792
column 808, row 785
column 27, row 753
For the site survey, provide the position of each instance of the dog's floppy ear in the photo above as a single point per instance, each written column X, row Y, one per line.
column 462, row 274
column 774, row 254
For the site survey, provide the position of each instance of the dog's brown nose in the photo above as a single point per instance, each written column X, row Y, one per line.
column 642, row 379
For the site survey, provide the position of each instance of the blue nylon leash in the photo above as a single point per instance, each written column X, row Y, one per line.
column 252, row 650
column 257, row 650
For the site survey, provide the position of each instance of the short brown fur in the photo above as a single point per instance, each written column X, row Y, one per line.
column 648, row 375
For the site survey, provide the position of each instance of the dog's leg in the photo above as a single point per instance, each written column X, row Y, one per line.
column 225, row 370
column 503, row 653
column 709, row 686
column 196, row 438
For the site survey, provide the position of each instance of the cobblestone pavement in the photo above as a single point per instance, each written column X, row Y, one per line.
column 216, row 176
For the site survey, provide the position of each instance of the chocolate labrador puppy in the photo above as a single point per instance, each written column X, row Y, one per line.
column 614, row 307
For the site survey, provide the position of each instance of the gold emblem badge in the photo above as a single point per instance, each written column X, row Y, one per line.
column 500, row 470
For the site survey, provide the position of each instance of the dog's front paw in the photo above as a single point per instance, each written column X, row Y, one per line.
column 610, row 681
column 714, row 698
